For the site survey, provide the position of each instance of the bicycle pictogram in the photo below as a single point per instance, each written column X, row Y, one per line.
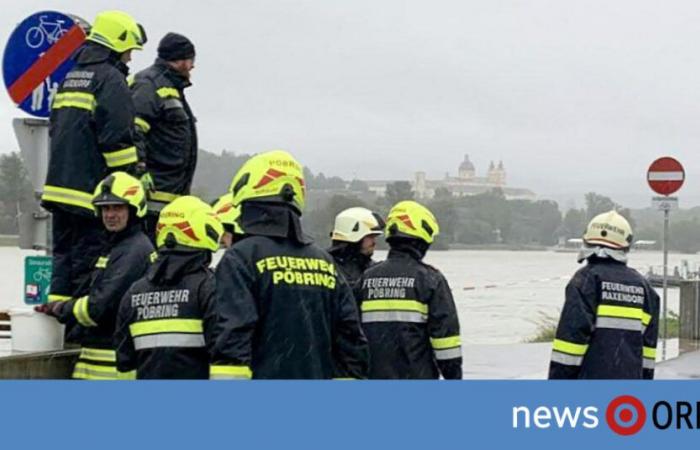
column 51, row 31
column 42, row 275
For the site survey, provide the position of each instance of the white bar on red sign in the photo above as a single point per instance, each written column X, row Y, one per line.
column 665, row 176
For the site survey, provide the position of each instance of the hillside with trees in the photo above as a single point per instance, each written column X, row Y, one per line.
column 488, row 219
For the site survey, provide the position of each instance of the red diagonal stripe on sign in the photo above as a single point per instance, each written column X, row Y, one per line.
column 47, row 64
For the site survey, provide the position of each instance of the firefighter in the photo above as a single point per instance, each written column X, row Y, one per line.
column 609, row 325
column 228, row 215
column 120, row 201
column 408, row 313
column 166, row 135
column 91, row 135
column 284, row 311
column 354, row 238
column 165, row 321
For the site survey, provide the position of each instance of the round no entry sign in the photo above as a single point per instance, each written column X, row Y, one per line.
column 665, row 175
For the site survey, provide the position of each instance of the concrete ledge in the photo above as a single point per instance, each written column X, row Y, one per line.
column 54, row 365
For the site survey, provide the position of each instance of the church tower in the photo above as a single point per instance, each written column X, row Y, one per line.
column 500, row 174
column 466, row 170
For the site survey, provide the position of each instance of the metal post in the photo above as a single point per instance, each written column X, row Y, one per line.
column 664, row 321
column 35, row 223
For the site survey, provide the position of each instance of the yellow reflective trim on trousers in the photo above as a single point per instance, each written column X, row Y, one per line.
column 166, row 92
column 446, row 342
column 98, row 354
column 625, row 312
column 81, row 100
column 142, row 124
column 394, row 305
column 646, row 318
column 67, row 196
column 216, row 371
column 80, row 311
column 649, row 352
column 87, row 371
column 130, row 375
column 160, row 196
column 102, row 262
column 58, row 298
column 121, row 157
column 569, row 347
column 166, row 326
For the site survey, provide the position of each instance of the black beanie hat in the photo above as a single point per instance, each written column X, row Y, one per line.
column 174, row 47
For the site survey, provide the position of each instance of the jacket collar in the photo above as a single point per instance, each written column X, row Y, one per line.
column 172, row 265
column 275, row 220
column 349, row 252
column 130, row 230
column 405, row 251
column 598, row 253
column 92, row 53
column 172, row 75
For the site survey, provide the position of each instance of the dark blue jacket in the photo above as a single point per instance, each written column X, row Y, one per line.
column 410, row 319
column 284, row 310
column 609, row 325
column 91, row 125
column 166, row 318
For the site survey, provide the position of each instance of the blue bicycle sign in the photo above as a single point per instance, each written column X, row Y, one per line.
column 46, row 29
column 38, row 57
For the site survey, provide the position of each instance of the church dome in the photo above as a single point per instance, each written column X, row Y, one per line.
column 466, row 165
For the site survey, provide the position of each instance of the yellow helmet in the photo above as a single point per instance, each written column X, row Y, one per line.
column 270, row 176
column 191, row 222
column 609, row 229
column 228, row 214
column 412, row 220
column 120, row 188
column 118, row 31
column 353, row 224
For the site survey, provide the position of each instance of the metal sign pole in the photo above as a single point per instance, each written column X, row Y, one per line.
column 664, row 320
column 35, row 224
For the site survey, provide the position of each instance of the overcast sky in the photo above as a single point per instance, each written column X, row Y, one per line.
column 573, row 96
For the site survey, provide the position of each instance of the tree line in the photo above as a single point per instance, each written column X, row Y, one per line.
column 487, row 219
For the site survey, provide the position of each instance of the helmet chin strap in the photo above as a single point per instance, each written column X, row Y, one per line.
column 602, row 252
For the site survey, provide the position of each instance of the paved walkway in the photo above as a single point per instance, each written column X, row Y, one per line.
column 526, row 362
column 531, row 362
column 686, row 366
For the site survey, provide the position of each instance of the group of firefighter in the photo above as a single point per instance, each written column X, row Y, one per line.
column 132, row 251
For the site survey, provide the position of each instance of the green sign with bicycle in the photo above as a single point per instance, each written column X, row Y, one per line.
column 37, row 279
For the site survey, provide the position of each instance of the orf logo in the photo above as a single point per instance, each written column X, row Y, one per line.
column 626, row 415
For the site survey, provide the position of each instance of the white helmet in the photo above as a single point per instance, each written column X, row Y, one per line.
column 610, row 230
column 353, row 224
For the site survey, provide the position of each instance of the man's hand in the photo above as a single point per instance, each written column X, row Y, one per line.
column 52, row 309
